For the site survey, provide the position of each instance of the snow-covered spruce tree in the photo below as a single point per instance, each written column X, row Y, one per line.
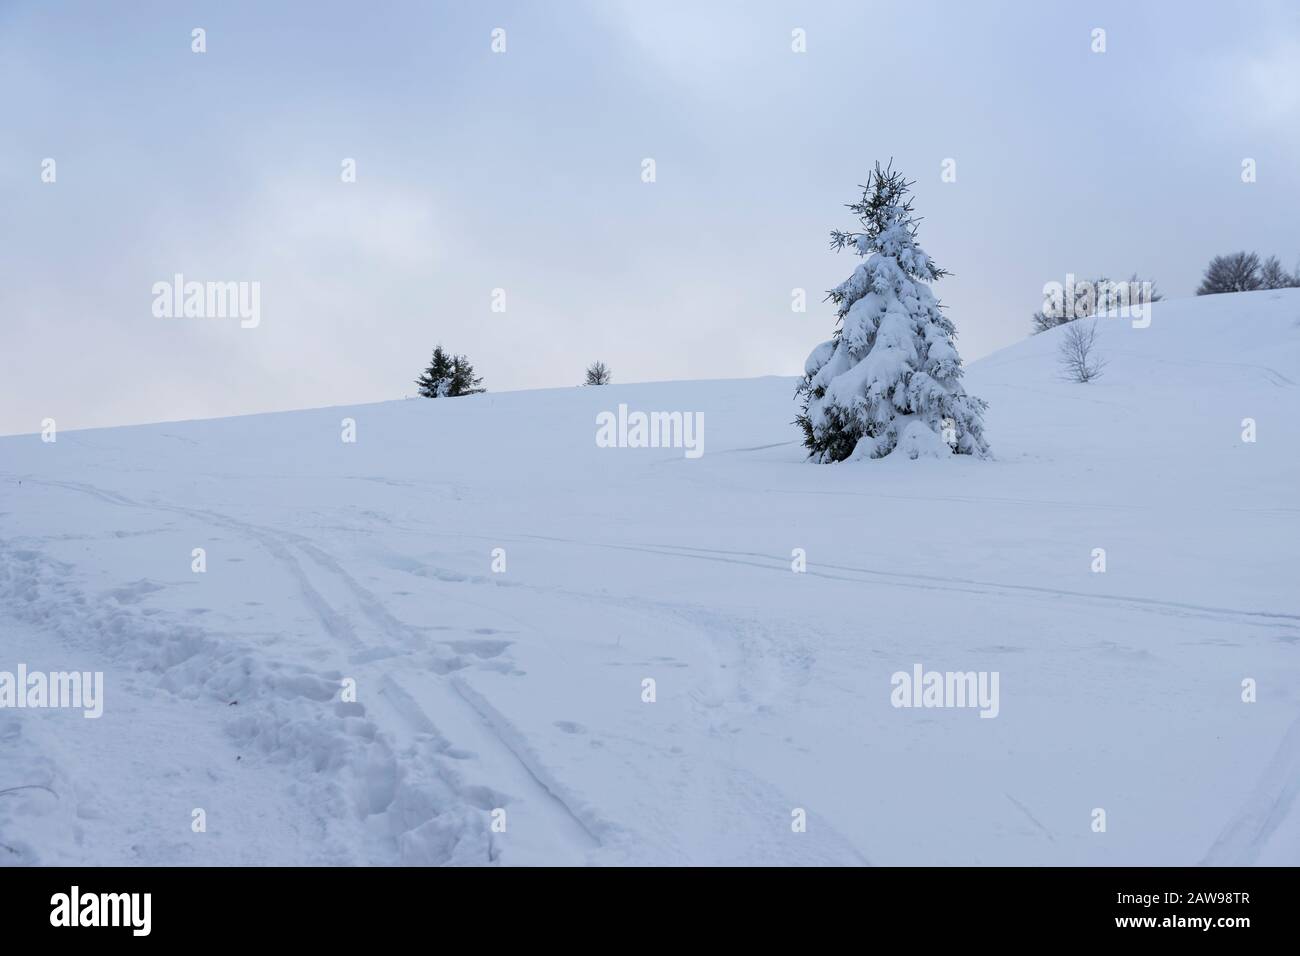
column 435, row 381
column 890, row 378
column 463, row 379
column 448, row 376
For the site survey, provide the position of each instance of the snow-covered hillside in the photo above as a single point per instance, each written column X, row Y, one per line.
column 522, row 690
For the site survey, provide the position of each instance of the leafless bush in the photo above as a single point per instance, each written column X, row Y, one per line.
column 1078, row 353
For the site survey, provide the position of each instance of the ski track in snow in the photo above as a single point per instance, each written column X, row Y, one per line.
column 571, row 821
column 928, row 582
column 578, row 826
column 1248, row 832
column 281, row 545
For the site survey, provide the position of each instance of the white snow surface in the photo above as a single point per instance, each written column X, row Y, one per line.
column 522, row 690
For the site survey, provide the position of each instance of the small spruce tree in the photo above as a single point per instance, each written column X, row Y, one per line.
column 463, row 379
column 448, row 376
column 435, row 381
column 890, row 377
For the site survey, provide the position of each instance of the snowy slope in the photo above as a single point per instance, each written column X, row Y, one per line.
column 522, row 690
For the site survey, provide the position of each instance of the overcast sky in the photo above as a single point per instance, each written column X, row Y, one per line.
column 522, row 171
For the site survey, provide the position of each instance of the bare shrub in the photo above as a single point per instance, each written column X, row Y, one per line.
column 1078, row 353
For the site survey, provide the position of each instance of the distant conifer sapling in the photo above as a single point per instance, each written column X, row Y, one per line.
column 448, row 376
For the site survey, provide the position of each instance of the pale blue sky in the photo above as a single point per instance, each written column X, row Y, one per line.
column 522, row 171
